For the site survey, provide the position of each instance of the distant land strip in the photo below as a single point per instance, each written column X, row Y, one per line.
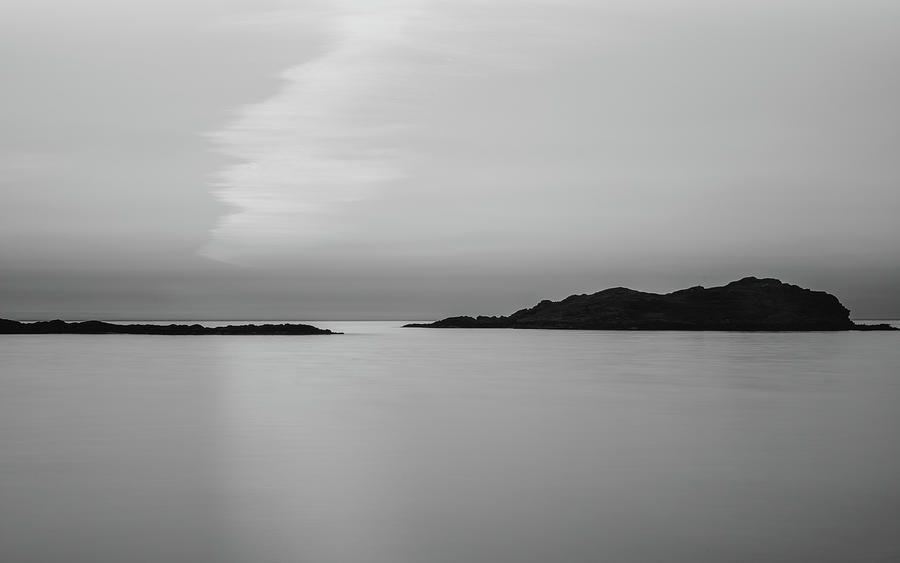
column 100, row 327
column 749, row 304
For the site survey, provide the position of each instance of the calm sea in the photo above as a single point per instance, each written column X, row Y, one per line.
column 391, row 445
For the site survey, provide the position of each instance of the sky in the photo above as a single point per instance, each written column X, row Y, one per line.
column 414, row 159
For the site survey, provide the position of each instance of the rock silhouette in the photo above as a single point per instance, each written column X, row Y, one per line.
column 100, row 327
column 749, row 304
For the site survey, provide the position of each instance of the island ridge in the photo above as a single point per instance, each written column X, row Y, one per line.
column 749, row 304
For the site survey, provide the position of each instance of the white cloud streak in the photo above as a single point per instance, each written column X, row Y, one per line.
column 321, row 142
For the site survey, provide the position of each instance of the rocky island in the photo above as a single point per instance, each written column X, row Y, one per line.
column 100, row 327
column 749, row 304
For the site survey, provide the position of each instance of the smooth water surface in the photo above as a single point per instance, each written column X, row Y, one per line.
column 391, row 445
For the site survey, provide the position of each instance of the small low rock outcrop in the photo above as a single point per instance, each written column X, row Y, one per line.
column 100, row 327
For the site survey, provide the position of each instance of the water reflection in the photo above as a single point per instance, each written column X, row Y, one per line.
column 424, row 446
column 110, row 450
column 447, row 446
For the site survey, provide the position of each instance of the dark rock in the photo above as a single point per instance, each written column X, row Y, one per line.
column 100, row 327
column 879, row 326
column 749, row 304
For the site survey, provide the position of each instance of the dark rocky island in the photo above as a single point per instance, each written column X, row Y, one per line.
column 750, row 304
column 100, row 327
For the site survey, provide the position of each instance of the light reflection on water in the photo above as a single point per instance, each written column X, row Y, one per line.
column 438, row 446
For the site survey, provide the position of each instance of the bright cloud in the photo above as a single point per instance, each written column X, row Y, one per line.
column 320, row 142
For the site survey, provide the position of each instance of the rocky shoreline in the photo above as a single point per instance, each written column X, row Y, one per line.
column 100, row 327
column 749, row 304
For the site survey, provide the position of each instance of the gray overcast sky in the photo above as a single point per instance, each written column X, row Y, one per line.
column 420, row 158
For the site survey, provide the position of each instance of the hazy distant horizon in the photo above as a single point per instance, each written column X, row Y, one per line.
column 213, row 316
